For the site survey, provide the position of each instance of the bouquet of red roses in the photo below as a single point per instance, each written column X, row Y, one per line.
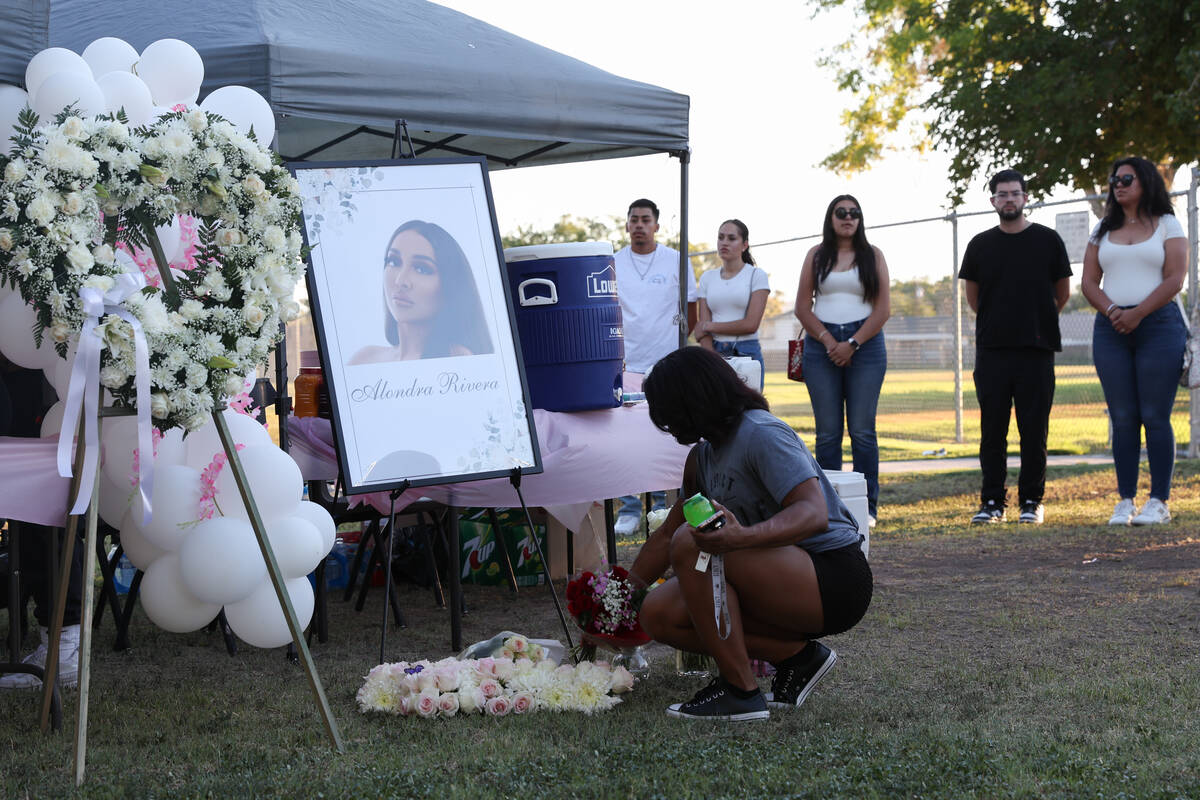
column 605, row 607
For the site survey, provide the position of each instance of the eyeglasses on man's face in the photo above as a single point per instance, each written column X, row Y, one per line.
column 852, row 213
column 1125, row 180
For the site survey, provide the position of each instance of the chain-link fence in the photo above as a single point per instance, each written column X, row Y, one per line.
column 928, row 401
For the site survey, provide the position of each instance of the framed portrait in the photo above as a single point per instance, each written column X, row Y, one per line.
column 414, row 322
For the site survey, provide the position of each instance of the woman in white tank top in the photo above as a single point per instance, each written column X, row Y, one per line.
column 1133, row 269
column 843, row 302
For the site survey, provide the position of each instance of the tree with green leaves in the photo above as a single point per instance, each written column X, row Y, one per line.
column 1058, row 89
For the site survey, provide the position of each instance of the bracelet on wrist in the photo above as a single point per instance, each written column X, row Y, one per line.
column 1108, row 310
column 822, row 335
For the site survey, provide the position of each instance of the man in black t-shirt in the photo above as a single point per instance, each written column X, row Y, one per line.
column 1017, row 279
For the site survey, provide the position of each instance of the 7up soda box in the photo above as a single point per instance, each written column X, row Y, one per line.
column 482, row 563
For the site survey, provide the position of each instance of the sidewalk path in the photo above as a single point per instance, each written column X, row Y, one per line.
column 955, row 464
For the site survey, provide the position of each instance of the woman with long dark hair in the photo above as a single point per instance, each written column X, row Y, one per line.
column 431, row 307
column 732, row 299
column 790, row 552
column 1133, row 269
column 842, row 302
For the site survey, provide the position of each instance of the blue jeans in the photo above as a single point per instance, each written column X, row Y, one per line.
column 632, row 503
column 850, row 393
column 749, row 348
column 1139, row 372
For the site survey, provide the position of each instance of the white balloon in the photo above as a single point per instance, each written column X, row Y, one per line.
column 275, row 483
column 221, row 562
column 296, row 543
column 16, row 335
column 50, row 61
column 204, row 443
column 13, row 101
column 118, row 438
column 169, row 237
column 141, row 551
column 172, row 69
column 126, row 91
column 110, row 55
column 319, row 517
column 171, row 448
column 258, row 620
column 52, row 421
column 168, row 603
column 176, row 501
column 246, row 109
column 64, row 89
column 114, row 500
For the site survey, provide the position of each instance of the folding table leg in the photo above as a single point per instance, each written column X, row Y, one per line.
column 430, row 558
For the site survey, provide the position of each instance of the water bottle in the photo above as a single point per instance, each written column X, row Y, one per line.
column 123, row 574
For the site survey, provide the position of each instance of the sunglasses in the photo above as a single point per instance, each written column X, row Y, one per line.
column 852, row 213
column 1120, row 180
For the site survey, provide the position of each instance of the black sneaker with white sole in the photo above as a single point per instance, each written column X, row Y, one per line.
column 989, row 512
column 717, row 702
column 793, row 683
column 1032, row 512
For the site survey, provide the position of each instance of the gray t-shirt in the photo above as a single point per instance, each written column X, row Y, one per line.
column 753, row 472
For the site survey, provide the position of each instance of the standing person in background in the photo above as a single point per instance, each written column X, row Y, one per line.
column 732, row 299
column 648, row 288
column 1017, row 279
column 1140, row 253
column 843, row 301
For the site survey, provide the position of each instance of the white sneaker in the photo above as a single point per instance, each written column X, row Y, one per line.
column 1123, row 513
column 68, row 662
column 1155, row 512
column 627, row 524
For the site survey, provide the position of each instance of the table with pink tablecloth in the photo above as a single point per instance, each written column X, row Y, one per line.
column 30, row 487
column 586, row 456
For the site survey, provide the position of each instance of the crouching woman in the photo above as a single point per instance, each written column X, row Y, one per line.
column 791, row 558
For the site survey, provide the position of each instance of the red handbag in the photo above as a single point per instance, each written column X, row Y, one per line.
column 795, row 368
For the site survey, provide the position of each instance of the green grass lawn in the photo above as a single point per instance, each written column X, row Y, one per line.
column 995, row 661
column 916, row 413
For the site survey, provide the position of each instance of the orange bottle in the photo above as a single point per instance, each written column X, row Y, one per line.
column 309, row 384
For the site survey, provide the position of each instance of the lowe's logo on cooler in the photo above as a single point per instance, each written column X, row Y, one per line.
column 602, row 283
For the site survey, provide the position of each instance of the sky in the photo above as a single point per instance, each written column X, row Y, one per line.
column 763, row 115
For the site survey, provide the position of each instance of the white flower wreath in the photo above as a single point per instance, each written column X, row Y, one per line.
column 76, row 187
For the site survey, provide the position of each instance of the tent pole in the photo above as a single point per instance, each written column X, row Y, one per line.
column 684, row 261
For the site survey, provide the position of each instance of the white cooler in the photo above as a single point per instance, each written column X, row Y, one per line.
column 852, row 488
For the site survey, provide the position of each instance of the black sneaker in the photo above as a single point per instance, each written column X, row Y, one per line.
column 988, row 512
column 715, row 701
column 1032, row 512
column 792, row 685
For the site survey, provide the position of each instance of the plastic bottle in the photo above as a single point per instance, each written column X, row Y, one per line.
column 308, row 385
column 123, row 573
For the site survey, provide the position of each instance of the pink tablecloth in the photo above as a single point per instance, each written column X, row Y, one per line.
column 30, row 487
column 586, row 456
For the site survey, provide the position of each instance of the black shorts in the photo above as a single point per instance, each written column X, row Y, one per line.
column 845, row 583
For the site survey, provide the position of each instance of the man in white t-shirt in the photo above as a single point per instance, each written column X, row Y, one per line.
column 648, row 287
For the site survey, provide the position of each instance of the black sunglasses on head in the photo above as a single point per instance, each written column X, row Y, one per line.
column 1120, row 180
column 852, row 213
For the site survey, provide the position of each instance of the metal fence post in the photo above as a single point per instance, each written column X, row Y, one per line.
column 958, row 334
column 1193, row 299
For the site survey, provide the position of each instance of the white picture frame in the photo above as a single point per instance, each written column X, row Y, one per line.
column 414, row 323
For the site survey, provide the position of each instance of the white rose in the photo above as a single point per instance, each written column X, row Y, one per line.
column 15, row 171
column 59, row 332
column 101, row 282
column 72, row 203
column 159, row 405
column 254, row 316
column 74, row 128
column 113, row 378
column 6, row 240
column 103, row 254
column 228, row 237
column 254, row 185
column 80, row 258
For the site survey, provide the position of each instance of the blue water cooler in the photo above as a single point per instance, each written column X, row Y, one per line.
column 569, row 323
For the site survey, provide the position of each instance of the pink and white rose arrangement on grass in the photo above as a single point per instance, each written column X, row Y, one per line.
column 492, row 686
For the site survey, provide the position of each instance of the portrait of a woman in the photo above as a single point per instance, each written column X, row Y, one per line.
column 431, row 305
